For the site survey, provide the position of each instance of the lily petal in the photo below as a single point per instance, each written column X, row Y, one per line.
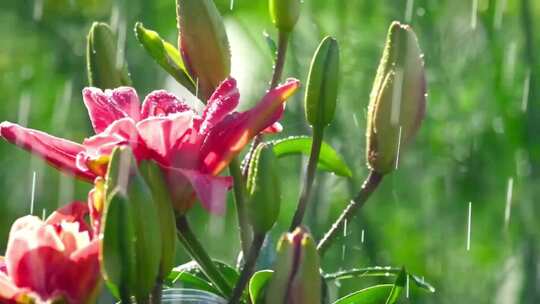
column 74, row 212
column 161, row 134
column 58, row 152
column 230, row 135
column 8, row 290
column 106, row 107
column 222, row 102
column 211, row 190
column 162, row 103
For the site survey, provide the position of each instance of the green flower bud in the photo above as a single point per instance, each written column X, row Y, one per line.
column 296, row 278
column 322, row 84
column 284, row 13
column 264, row 189
column 129, row 205
column 106, row 70
column 397, row 100
column 155, row 180
column 203, row 44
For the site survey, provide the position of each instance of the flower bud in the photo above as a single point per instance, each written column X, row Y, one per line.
column 131, row 229
column 162, row 201
column 296, row 278
column 284, row 13
column 397, row 100
column 106, row 70
column 322, row 84
column 203, row 44
column 264, row 189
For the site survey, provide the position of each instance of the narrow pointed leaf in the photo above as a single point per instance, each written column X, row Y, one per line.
column 258, row 282
column 378, row 271
column 329, row 159
column 184, row 279
column 372, row 295
column 398, row 287
column 165, row 54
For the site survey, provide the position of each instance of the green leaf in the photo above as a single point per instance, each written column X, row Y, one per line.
column 165, row 54
column 378, row 271
column 372, row 295
column 257, row 284
column 182, row 279
column 329, row 159
column 229, row 272
column 397, row 289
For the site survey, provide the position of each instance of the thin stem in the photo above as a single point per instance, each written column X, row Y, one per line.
column 156, row 292
column 283, row 42
column 370, row 184
column 247, row 271
column 281, row 54
column 239, row 195
column 308, row 181
column 197, row 252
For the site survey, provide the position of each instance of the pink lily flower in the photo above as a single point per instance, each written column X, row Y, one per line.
column 191, row 148
column 56, row 259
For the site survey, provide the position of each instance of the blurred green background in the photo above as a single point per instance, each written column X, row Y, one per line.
column 479, row 142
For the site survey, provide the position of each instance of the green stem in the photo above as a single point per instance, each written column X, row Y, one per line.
column 283, row 42
column 197, row 252
column 249, row 265
column 308, row 181
column 239, row 199
column 368, row 187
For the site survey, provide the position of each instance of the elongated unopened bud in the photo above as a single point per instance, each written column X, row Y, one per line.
column 264, row 189
column 203, row 44
column 142, row 249
column 284, row 13
column 106, row 69
column 397, row 100
column 162, row 202
column 322, row 84
column 296, row 278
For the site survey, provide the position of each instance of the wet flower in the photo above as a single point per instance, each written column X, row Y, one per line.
column 51, row 260
column 191, row 148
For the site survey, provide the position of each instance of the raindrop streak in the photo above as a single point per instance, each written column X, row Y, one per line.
column 38, row 10
column 197, row 88
column 362, row 237
column 33, row 193
column 398, row 148
column 500, row 7
column 24, row 109
column 355, row 120
column 526, row 88
column 345, row 228
column 43, row 214
column 469, row 227
column 121, row 45
column 232, row 5
column 509, row 189
column 409, row 10
column 407, row 287
column 343, row 253
column 474, row 14
column 396, row 98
